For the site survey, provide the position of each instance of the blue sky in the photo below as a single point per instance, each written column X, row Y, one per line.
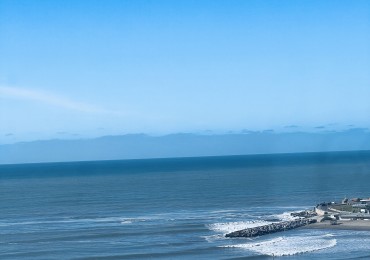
column 89, row 68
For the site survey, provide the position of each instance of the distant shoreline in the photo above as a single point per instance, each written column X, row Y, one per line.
column 141, row 146
column 312, row 156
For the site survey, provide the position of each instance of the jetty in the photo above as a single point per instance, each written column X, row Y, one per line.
column 351, row 214
column 272, row 228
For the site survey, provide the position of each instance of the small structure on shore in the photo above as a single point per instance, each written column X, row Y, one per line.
column 355, row 208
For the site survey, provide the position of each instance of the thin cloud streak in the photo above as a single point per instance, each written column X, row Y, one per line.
column 51, row 99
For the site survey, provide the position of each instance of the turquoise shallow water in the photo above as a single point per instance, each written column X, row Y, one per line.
column 177, row 208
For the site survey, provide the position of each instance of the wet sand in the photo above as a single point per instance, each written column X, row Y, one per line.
column 363, row 225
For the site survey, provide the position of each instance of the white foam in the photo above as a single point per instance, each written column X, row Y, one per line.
column 235, row 226
column 286, row 216
column 284, row 246
column 75, row 221
column 328, row 235
column 126, row 222
column 132, row 220
column 213, row 238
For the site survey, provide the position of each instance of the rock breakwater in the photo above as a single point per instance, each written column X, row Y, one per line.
column 271, row 228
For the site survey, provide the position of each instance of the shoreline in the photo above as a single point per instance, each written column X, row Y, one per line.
column 358, row 225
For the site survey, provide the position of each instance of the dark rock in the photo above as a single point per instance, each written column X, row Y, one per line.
column 271, row 228
column 304, row 214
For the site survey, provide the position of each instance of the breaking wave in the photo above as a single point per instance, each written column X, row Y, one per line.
column 74, row 221
column 285, row 246
column 235, row 226
column 285, row 216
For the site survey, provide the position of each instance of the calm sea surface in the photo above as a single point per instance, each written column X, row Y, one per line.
column 177, row 208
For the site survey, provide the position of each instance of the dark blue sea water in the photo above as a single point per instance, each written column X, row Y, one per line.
column 177, row 208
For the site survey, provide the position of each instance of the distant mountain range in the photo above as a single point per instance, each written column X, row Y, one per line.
column 139, row 146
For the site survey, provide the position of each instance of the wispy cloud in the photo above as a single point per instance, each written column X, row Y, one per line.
column 50, row 99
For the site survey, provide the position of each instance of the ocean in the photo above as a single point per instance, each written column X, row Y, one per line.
column 178, row 208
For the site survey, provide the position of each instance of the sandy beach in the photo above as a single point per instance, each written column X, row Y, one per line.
column 363, row 225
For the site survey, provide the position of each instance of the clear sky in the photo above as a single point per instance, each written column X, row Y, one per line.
column 89, row 68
